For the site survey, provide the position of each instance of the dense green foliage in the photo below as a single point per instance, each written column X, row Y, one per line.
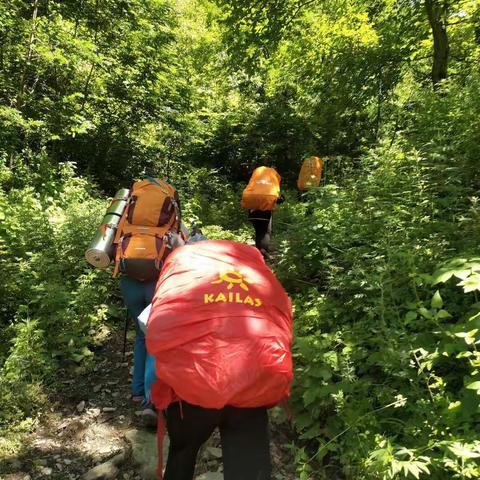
column 382, row 261
column 52, row 301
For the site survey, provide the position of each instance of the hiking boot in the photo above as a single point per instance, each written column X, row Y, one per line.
column 266, row 255
column 137, row 398
column 148, row 415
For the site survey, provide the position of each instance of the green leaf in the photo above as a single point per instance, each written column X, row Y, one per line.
column 437, row 301
column 303, row 420
column 309, row 396
column 462, row 451
column 471, row 284
column 463, row 273
column 474, row 266
column 312, row 432
column 86, row 352
column 442, row 276
column 457, row 262
column 304, row 345
column 425, row 313
column 321, row 372
column 473, row 386
column 321, row 452
column 410, row 315
column 304, row 475
column 413, row 469
column 469, row 337
column 77, row 357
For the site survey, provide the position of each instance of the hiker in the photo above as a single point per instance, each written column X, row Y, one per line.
column 196, row 234
column 260, row 197
column 220, row 329
column 309, row 176
column 142, row 239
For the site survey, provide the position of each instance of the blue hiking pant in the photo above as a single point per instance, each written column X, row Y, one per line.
column 138, row 295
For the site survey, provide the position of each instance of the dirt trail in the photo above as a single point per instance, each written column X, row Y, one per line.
column 90, row 419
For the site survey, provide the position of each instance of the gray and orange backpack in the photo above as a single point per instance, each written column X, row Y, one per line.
column 141, row 240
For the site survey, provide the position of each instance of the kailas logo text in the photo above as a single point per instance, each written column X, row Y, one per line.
column 232, row 278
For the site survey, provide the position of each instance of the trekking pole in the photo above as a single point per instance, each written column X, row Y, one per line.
column 125, row 330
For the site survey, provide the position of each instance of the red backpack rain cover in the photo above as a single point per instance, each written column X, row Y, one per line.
column 220, row 328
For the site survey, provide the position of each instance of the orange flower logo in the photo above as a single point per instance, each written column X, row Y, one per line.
column 233, row 277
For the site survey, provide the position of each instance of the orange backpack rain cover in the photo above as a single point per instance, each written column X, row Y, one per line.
column 220, row 328
column 310, row 173
column 263, row 189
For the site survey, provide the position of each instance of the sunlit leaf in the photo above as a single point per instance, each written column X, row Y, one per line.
column 471, row 283
column 442, row 276
column 425, row 313
column 474, row 386
column 443, row 314
column 437, row 301
column 462, row 451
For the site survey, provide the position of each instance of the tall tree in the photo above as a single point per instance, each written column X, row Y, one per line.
column 437, row 11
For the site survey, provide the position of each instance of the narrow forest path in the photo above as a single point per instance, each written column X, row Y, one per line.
column 92, row 431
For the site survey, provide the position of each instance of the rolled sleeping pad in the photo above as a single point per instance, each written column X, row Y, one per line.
column 122, row 193
column 100, row 252
column 119, row 202
column 111, row 220
column 101, row 249
column 117, row 207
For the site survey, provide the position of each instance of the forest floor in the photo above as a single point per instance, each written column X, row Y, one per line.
column 93, row 431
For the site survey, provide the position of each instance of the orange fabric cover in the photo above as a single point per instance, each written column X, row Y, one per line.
column 310, row 173
column 220, row 328
column 262, row 190
column 151, row 204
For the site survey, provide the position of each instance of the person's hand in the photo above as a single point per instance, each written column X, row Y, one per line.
column 175, row 240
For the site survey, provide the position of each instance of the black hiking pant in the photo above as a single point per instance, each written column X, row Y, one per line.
column 262, row 223
column 244, row 435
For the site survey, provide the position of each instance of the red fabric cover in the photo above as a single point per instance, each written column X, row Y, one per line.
column 220, row 338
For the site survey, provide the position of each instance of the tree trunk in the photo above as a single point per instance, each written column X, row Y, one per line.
column 379, row 104
column 20, row 99
column 92, row 66
column 437, row 16
column 476, row 25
